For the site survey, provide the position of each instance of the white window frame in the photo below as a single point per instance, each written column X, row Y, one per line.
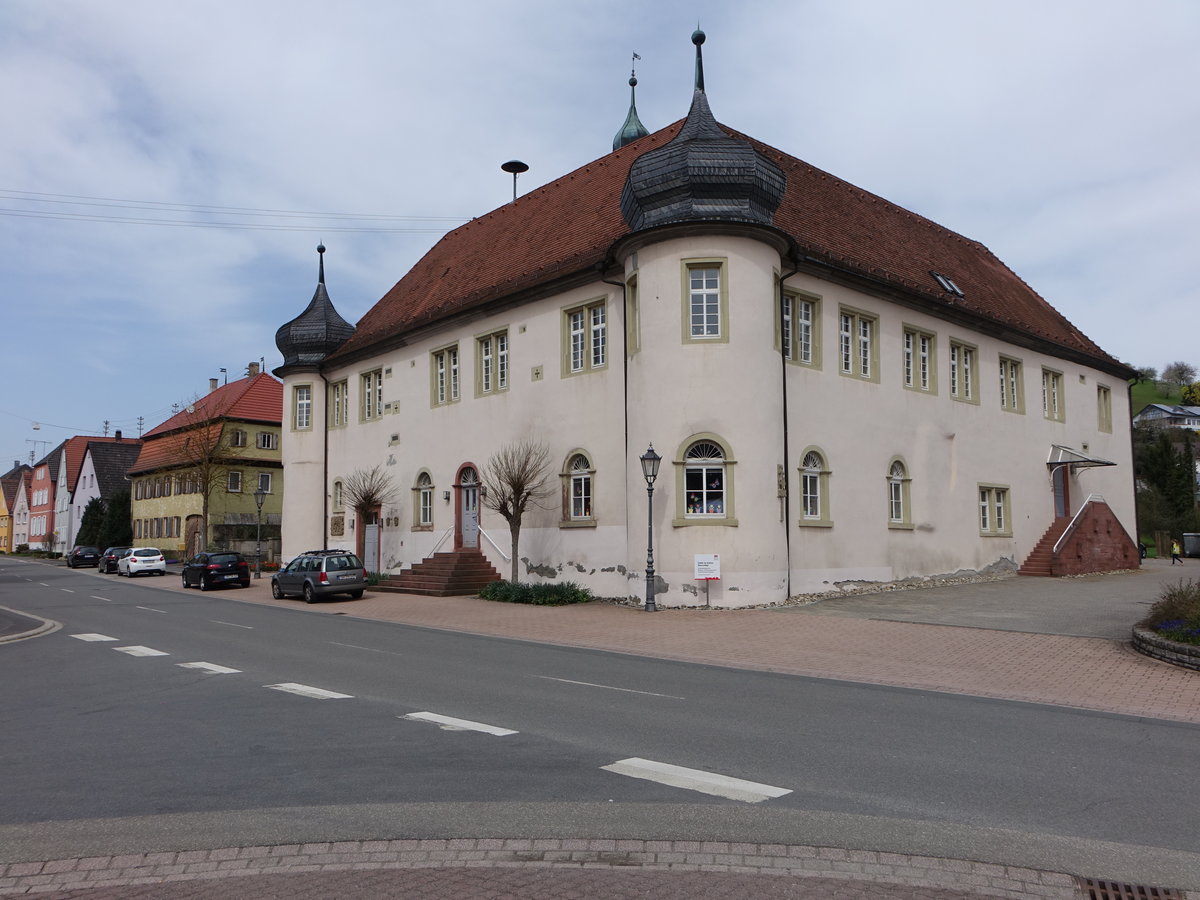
column 578, row 489
column 858, row 346
column 995, row 510
column 899, row 495
column 371, row 401
column 264, row 482
column 964, row 372
column 267, row 440
column 1012, row 385
column 585, row 337
column 798, row 328
column 491, row 360
column 339, row 404
column 233, row 483
column 919, row 356
column 1053, row 401
column 445, row 371
column 814, row 489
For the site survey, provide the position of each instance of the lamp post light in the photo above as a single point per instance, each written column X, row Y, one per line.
column 259, row 496
column 650, row 461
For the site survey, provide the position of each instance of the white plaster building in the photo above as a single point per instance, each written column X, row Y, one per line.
column 841, row 390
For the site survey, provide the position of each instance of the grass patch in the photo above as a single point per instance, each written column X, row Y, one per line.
column 557, row 594
column 1176, row 615
column 1147, row 392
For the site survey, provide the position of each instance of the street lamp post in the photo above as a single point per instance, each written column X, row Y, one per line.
column 650, row 461
column 259, row 496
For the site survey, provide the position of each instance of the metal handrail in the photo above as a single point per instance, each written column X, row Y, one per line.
column 507, row 558
column 1074, row 521
column 441, row 540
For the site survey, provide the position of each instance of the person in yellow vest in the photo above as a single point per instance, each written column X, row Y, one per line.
column 1175, row 553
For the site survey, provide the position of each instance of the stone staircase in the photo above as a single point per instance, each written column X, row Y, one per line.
column 1041, row 557
column 448, row 574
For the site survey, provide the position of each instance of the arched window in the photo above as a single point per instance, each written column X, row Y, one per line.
column 704, row 482
column 899, row 515
column 337, row 495
column 423, row 502
column 814, row 489
column 576, row 477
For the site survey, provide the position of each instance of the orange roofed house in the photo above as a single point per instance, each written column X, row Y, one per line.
column 194, row 483
column 841, row 391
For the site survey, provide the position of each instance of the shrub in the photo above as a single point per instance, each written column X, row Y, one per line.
column 1176, row 615
column 558, row 594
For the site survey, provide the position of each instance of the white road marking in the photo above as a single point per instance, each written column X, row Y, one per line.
column 105, row 599
column 232, row 624
column 696, row 780
column 448, row 723
column 371, row 649
column 152, row 609
column 211, row 668
column 609, row 687
column 138, row 650
column 66, row 590
column 305, row 691
column 93, row 637
column 43, row 584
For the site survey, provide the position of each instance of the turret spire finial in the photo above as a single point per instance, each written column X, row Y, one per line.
column 633, row 127
column 321, row 265
column 698, row 40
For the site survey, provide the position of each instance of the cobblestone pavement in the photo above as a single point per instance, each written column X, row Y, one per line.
column 1083, row 672
column 528, row 870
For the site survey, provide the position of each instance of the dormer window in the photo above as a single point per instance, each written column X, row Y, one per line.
column 947, row 284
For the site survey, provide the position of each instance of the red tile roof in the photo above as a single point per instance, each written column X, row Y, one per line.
column 258, row 398
column 568, row 226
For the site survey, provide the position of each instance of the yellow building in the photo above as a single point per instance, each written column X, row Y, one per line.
column 213, row 461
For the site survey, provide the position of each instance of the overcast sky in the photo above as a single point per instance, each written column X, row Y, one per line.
column 1063, row 135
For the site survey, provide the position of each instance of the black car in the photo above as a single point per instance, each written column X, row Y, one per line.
column 83, row 556
column 221, row 567
column 108, row 559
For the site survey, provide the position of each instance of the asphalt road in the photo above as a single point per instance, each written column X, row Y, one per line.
column 106, row 751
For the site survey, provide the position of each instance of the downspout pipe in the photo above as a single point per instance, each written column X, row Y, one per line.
column 600, row 267
column 783, row 393
column 324, row 464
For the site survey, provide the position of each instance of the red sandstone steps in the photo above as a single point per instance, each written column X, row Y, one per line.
column 451, row 574
column 1040, row 561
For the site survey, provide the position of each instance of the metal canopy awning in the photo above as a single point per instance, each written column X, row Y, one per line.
column 1065, row 456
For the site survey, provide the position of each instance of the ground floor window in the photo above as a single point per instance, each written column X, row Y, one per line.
column 705, row 482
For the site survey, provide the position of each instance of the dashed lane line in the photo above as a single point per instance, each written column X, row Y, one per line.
column 93, row 637
column 696, row 780
column 609, row 687
column 449, row 723
column 305, row 691
column 138, row 650
column 152, row 609
column 232, row 624
column 105, row 599
column 369, row 649
column 210, row 668
column 66, row 590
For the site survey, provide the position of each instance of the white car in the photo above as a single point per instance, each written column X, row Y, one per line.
column 139, row 560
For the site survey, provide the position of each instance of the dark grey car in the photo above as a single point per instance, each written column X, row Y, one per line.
column 320, row 573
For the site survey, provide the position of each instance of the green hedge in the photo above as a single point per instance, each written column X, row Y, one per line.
column 558, row 594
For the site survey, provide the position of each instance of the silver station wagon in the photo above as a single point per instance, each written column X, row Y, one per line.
column 320, row 573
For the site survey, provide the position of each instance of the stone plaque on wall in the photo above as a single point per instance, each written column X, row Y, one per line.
column 337, row 526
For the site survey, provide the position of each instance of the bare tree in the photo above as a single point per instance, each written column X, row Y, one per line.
column 1179, row 374
column 1146, row 373
column 200, row 453
column 515, row 478
column 366, row 490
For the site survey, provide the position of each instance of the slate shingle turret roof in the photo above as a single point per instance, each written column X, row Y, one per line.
column 316, row 332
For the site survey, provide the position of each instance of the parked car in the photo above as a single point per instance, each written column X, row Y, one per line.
column 139, row 560
column 210, row 570
column 83, row 556
column 320, row 573
column 108, row 559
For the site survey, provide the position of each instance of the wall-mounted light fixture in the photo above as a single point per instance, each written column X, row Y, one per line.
column 446, row 496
